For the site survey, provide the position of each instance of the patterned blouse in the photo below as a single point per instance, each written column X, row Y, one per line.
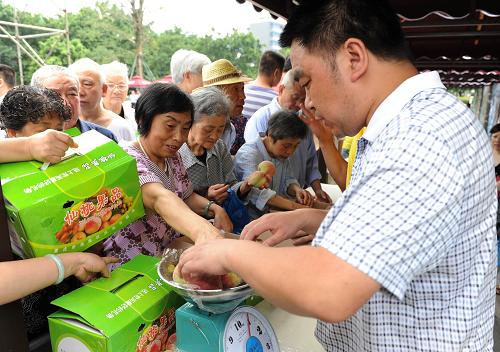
column 149, row 235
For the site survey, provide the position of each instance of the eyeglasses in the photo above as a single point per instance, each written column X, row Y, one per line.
column 120, row 87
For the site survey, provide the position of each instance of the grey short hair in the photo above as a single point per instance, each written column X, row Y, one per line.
column 288, row 79
column 87, row 64
column 43, row 73
column 183, row 61
column 114, row 68
column 210, row 101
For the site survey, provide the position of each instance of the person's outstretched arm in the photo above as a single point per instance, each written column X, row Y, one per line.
column 21, row 277
column 49, row 146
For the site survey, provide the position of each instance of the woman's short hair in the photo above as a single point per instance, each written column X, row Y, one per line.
column 286, row 124
column 25, row 104
column 210, row 101
column 160, row 98
column 495, row 128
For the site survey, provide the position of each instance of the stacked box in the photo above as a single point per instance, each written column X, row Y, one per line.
column 134, row 310
column 74, row 204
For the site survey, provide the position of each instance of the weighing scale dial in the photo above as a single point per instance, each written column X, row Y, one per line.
column 247, row 330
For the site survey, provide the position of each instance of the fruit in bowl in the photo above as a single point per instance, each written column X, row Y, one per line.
column 206, row 282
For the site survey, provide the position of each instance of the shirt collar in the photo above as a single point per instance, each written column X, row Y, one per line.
column 394, row 102
column 189, row 159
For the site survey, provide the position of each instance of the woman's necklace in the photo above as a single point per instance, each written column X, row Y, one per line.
column 165, row 168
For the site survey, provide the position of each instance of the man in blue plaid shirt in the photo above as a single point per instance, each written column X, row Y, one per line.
column 406, row 258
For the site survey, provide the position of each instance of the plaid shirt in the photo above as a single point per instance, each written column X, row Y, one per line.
column 419, row 218
column 219, row 168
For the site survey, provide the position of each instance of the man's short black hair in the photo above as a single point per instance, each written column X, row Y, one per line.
column 25, row 104
column 286, row 124
column 8, row 74
column 288, row 65
column 160, row 98
column 495, row 129
column 270, row 62
column 326, row 25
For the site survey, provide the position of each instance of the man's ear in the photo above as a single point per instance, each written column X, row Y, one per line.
column 357, row 54
column 281, row 88
column 277, row 74
column 186, row 76
column 104, row 89
column 11, row 133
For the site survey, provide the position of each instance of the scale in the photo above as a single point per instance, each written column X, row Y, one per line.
column 217, row 320
column 244, row 329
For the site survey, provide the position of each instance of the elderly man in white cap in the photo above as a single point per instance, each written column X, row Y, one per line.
column 224, row 75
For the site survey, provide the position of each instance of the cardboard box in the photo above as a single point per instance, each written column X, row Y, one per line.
column 73, row 204
column 134, row 310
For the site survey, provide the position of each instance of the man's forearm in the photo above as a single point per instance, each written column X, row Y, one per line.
column 335, row 164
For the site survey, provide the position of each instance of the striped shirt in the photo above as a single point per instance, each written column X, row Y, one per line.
column 418, row 217
column 255, row 98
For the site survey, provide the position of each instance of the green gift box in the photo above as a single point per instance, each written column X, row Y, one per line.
column 74, row 204
column 134, row 310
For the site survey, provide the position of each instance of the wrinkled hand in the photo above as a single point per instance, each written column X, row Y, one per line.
column 282, row 225
column 49, row 145
column 266, row 184
column 304, row 197
column 322, row 196
column 207, row 258
column 322, row 132
column 90, row 265
column 222, row 221
column 218, row 192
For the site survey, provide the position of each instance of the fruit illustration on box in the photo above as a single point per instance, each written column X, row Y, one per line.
column 94, row 214
column 265, row 172
column 156, row 337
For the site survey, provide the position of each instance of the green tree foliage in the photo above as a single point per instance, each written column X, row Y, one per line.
column 105, row 33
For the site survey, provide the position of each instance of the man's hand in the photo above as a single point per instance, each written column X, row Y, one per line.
column 218, row 192
column 206, row 258
column 322, row 132
column 283, row 225
column 49, row 146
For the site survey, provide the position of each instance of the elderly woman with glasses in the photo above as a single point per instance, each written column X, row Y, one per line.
column 116, row 79
column 164, row 116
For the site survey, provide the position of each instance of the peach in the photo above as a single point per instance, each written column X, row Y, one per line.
column 104, row 225
column 257, row 179
column 78, row 237
column 172, row 340
column 207, row 282
column 176, row 276
column 231, row 280
column 267, row 167
column 114, row 219
column 154, row 346
column 92, row 225
column 106, row 214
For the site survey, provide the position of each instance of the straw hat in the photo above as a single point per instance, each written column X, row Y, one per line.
column 221, row 72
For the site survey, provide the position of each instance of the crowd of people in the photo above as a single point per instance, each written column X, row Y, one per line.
column 401, row 258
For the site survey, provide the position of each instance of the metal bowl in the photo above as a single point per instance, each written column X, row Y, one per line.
column 213, row 301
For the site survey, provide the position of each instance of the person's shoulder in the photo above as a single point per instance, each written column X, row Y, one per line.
column 86, row 125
